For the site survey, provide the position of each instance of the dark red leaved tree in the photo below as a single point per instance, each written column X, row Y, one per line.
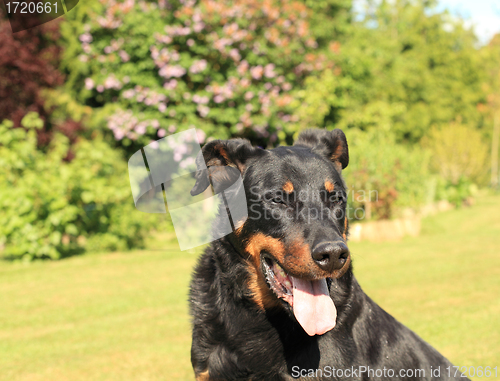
column 28, row 64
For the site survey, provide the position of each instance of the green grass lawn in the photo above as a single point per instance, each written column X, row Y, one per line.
column 123, row 316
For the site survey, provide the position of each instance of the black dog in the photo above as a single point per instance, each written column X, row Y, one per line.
column 276, row 299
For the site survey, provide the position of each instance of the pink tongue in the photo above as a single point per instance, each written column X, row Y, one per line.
column 312, row 306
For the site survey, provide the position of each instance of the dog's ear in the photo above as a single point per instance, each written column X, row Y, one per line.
column 330, row 144
column 221, row 162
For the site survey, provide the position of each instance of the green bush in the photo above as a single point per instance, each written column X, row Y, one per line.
column 460, row 159
column 384, row 177
column 458, row 193
column 51, row 208
column 458, row 153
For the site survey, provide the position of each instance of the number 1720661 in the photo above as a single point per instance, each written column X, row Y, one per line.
column 472, row 371
column 31, row 7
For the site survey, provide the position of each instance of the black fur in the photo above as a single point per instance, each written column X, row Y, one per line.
column 233, row 337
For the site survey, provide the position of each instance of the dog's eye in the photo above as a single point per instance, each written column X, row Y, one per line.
column 336, row 200
column 279, row 200
column 276, row 198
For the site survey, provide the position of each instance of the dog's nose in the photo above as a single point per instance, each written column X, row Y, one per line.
column 330, row 256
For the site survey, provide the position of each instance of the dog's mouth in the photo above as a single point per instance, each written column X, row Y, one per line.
column 278, row 280
column 309, row 299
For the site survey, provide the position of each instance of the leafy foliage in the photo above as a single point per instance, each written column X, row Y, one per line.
column 404, row 65
column 53, row 208
column 458, row 151
column 459, row 157
column 383, row 177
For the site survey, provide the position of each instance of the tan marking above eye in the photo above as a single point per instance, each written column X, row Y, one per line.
column 288, row 187
column 329, row 186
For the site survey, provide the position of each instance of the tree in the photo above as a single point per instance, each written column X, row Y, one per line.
column 29, row 63
column 404, row 67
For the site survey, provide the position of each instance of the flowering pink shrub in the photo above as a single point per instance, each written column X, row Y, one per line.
column 229, row 68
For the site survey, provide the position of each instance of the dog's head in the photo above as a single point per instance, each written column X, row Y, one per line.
column 294, row 239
